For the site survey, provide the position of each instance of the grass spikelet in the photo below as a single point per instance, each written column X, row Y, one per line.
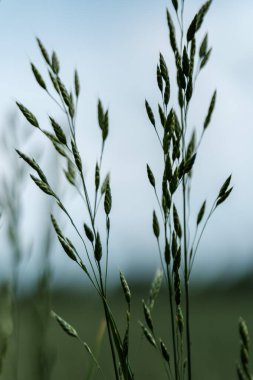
column 150, row 113
column 88, row 233
column 147, row 316
column 58, row 131
column 108, row 199
column 105, row 183
column 65, row 325
column 177, row 224
column 148, row 335
column 150, row 176
column 155, row 288
column 159, row 79
column 55, row 63
column 125, row 288
column 43, row 51
column 64, row 92
column 175, row 4
column 225, row 186
column 203, row 47
column 173, row 42
column 28, row 115
column 38, row 77
column 77, row 83
column 210, row 111
column 201, row 213
column 98, row 248
column 164, row 351
column 56, row 227
column 156, row 228
column 77, row 156
column 67, row 248
column 42, row 185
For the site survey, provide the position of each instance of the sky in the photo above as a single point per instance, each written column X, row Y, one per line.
column 115, row 45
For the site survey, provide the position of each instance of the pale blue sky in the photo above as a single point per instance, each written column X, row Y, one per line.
column 115, row 46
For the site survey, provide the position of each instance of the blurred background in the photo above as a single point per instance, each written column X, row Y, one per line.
column 115, row 46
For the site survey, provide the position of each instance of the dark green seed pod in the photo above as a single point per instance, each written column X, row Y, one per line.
column 77, row 83
column 177, row 224
column 150, row 113
column 201, row 213
column 192, row 29
column 159, row 79
column 167, row 92
column 98, row 248
column 162, row 116
column 148, row 336
column 147, row 316
column 164, row 351
column 180, row 98
column 55, row 63
column 225, row 186
column 224, row 197
column 180, row 320
column 163, row 68
column 175, row 4
column 174, row 245
column 105, row 130
column 97, row 177
column 125, row 288
column 54, row 82
column 244, row 333
column 210, row 111
column 189, row 90
column 177, row 288
column 189, row 164
column 77, row 156
column 167, row 254
column 192, row 57
column 38, row 77
column 181, row 79
column 58, row 131
column 28, row 115
column 203, row 46
column 172, row 34
column 150, row 176
column 100, row 114
column 88, row 233
column 56, row 227
column 156, row 228
column 67, row 248
column 174, row 182
column 43, row 51
column 42, row 185
column 64, row 92
column 65, row 325
column 108, row 199
column 186, row 63
column 168, row 168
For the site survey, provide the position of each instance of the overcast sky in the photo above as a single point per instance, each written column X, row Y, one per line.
column 115, row 46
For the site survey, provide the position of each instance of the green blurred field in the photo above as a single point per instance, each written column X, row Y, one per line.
column 214, row 334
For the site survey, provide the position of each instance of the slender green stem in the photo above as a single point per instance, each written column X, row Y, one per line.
column 108, row 324
column 186, row 283
column 172, row 323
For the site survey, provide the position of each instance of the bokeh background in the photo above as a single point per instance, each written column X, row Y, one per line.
column 115, row 46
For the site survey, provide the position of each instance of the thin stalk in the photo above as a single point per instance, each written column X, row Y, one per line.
column 186, row 284
column 172, row 323
column 108, row 324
